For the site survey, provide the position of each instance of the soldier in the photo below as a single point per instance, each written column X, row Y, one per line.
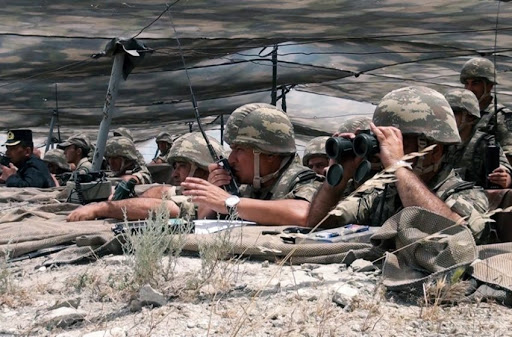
column 164, row 143
column 422, row 117
column 314, row 155
column 278, row 190
column 121, row 155
column 478, row 76
column 58, row 166
column 353, row 124
column 190, row 158
column 25, row 169
column 468, row 157
column 76, row 149
column 123, row 132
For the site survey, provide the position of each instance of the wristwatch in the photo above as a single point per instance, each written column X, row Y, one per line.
column 231, row 203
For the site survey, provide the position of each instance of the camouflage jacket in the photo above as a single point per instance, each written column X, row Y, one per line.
column 296, row 182
column 140, row 171
column 504, row 127
column 375, row 206
column 468, row 159
column 84, row 166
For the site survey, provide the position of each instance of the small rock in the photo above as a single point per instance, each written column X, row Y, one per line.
column 43, row 268
column 135, row 305
column 114, row 332
column 116, row 260
column 72, row 303
column 343, row 295
column 361, row 265
column 309, row 266
column 150, row 297
column 265, row 264
column 191, row 325
column 62, row 317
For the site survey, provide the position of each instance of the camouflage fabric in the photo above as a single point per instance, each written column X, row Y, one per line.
column 57, row 157
column 192, row 147
column 316, row 147
column 164, row 137
column 375, row 206
column 468, row 158
column 123, row 132
column 121, row 147
column 478, row 67
column 84, row 166
column 80, row 140
column 296, row 182
column 418, row 110
column 142, row 173
column 464, row 100
column 261, row 126
column 504, row 125
column 355, row 123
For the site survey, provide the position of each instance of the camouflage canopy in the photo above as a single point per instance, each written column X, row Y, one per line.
column 358, row 50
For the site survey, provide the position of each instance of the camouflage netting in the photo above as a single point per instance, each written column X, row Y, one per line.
column 348, row 49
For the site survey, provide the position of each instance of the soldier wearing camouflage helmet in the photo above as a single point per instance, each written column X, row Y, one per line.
column 76, row 149
column 468, row 157
column 314, row 155
column 408, row 120
column 164, row 142
column 125, row 132
column 479, row 76
column 57, row 165
column 353, row 124
column 122, row 158
column 277, row 189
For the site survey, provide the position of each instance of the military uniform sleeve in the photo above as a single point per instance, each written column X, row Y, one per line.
column 32, row 177
column 142, row 173
column 504, row 130
column 471, row 204
column 304, row 191
column 504, row 162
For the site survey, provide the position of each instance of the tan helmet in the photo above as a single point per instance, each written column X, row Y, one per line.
column 80, row 140
column 123, row 132
column 463, row 99
column 261, row 126
column 315, row 147
column 418, row 110
column 121, row 147
column 57, row 157
column 164, row 137
column 192, row 148
column 478, row 67
column 355, row 123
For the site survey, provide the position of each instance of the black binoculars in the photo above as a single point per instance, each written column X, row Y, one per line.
column 4, row 160
column 365, row 145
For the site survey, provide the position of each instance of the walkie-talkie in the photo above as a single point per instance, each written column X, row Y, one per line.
column 232, row 187
column 492, row 162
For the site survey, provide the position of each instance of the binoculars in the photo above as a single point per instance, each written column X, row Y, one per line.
column 364, row 145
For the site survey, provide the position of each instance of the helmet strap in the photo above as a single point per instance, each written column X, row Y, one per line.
column 193, row 169
column 420, row 167
column 257, row 180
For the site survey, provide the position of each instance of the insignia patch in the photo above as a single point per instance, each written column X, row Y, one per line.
column 10, row 135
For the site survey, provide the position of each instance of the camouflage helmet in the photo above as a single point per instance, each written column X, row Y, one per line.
column 80, row 140
column 354, row 123
column 164, row 137
column 315, row 147
column 465, row 100
column 192, row 147
column 478, row 67
column 57, row 157
column 418, row 110
column 261, row 126
column 123, row 132
column 121, row 147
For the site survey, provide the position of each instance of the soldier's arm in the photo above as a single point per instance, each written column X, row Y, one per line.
column 324, row 200
column 32, row 178
column 135, row 208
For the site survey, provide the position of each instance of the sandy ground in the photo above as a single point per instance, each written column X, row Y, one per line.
column 241, row 298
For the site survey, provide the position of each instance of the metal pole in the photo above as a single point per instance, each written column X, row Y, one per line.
column 55, row 115
column 108, row 109
column 221, row 129
column 274, row 76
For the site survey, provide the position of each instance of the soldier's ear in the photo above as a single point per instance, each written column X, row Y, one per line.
column 437, row 152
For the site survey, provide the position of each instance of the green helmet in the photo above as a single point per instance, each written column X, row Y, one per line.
column 57, row 157
column 418, row 110
column 164, row 137
column 192, row 147
column 261, row 126
column 315, row 147
column 464, row 100
column 354, row 123
column 123, row 132
column 121, row 147
column 478, row 67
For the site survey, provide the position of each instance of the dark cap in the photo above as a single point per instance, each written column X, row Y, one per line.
column 14, row 137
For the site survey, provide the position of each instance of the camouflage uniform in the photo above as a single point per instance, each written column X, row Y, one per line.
column 479, row 67
column 57, row 157
column 353, row 124
column 468, row 158
column 266, row 129
column 125, row 148
column 164, row 137
column 82, row 141
column 426, row 113
column 315, row 148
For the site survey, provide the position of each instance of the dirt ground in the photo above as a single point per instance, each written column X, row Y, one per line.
column 238, row 298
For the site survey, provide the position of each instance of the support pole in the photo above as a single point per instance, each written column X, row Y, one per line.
column 221, row 129
column 274, row 76
column 55, row 115
column 108, row 110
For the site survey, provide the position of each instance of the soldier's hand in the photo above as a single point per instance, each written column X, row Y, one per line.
column 500, row 177
column 83, row 213
column 8, row 171
column 218, row 176
column 390, row 143
column 205, row 193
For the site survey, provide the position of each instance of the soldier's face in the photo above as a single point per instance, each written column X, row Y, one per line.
column 162, row 146
column 318, row 164
column 115, row 163
column 478, row 86
column 17, row 154
column 241, row 160
column 180, row 172
column 71, row 154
